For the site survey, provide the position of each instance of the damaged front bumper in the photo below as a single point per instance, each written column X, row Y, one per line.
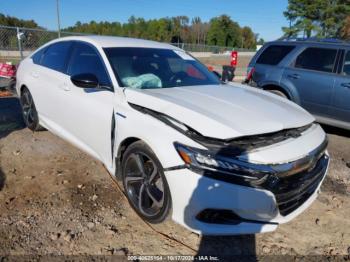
column 214, row 201
column 212, row 207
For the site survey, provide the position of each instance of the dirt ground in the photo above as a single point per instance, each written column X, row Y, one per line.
column 55, row 199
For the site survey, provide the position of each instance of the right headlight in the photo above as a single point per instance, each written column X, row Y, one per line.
column 208, row 161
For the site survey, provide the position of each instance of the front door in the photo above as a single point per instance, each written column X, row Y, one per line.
column 312, row 75
column 87, row 114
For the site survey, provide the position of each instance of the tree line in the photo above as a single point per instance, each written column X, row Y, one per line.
column 14, row 21
column 220, row 31
column 318, row 18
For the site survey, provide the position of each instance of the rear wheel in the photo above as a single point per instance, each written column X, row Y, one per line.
column 279, row 93
column 144, row 182
column 30, row 115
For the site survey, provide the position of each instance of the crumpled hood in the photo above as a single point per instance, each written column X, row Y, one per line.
column 223, row 111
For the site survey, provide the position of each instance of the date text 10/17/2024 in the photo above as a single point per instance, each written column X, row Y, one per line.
column 173, row 258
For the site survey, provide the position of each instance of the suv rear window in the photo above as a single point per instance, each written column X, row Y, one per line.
column 274, row 54
column 318, row 59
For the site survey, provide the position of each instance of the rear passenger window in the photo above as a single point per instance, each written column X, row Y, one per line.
column 37, row 56
column 86, row 60
column 274, row 54
column 56, row 55
column 346, row 66
column 318, row 59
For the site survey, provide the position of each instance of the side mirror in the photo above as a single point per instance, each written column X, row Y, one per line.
column 85, row 80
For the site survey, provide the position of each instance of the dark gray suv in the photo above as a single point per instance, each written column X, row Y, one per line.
column 313, row 73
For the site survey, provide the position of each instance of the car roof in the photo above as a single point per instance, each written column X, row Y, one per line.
column 311, row 42
column 113, row 41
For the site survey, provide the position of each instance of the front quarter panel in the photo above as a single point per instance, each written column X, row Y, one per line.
column 23, row 75
column 157, row 135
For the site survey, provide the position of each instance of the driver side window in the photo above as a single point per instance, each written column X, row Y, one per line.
column 85, row 59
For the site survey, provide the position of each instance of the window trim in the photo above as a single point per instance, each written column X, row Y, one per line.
column 74, row 42
column 43, row 50
column 340, row 61
column 292, row 65
column 341, row 71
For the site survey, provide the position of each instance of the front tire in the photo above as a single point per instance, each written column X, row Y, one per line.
column 144, row 183
column 30, row 115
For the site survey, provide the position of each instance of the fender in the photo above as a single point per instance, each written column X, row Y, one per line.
column 287, row 88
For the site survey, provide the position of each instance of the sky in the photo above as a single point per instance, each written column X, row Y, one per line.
column 265, row 17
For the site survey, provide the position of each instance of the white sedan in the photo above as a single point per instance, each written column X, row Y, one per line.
column 218, row 159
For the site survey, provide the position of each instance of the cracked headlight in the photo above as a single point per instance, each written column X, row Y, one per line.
column 206, row 161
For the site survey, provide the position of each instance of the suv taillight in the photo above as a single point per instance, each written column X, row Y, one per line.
column 250, row 73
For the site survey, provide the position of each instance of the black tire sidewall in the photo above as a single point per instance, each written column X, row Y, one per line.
column 35, row 125
column 278, row 93
column 140, row 147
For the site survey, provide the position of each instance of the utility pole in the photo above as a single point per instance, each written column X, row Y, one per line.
column 58, row 19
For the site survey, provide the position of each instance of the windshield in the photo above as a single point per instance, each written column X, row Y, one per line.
column 145, row 68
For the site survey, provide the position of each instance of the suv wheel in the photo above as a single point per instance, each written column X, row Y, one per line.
column 279, row 93
column 144, row 183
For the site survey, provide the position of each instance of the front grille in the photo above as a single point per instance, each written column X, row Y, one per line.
column 237, row 146
column 262, row 140
column 291, row 192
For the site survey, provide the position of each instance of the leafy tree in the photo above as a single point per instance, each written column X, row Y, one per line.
column 221, row 30
column 345, row 32
column 261, row 41
column 14, row 21
column 249, row 38
column 224, row 32
column 324, row 18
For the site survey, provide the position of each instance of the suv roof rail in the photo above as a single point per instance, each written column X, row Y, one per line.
column 315, row 39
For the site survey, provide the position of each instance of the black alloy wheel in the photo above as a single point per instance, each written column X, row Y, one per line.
column 30, row 115
column 144, row 182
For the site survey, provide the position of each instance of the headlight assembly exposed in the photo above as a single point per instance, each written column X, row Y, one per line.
column 205, row 160
column 224, row 166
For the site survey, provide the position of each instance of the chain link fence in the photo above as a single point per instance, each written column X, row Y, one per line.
column 17, row 43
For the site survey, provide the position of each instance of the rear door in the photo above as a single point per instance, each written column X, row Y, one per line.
column 266, row 68
column 341, row 101
column 312, row 76
column 48, row 78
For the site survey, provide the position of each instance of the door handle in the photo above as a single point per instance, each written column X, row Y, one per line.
column 35, row 75
column 65, row 87
column 346, row 85
column 294, row 76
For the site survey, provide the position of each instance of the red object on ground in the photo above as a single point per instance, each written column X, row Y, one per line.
column 7, row 70
column 234, row 58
